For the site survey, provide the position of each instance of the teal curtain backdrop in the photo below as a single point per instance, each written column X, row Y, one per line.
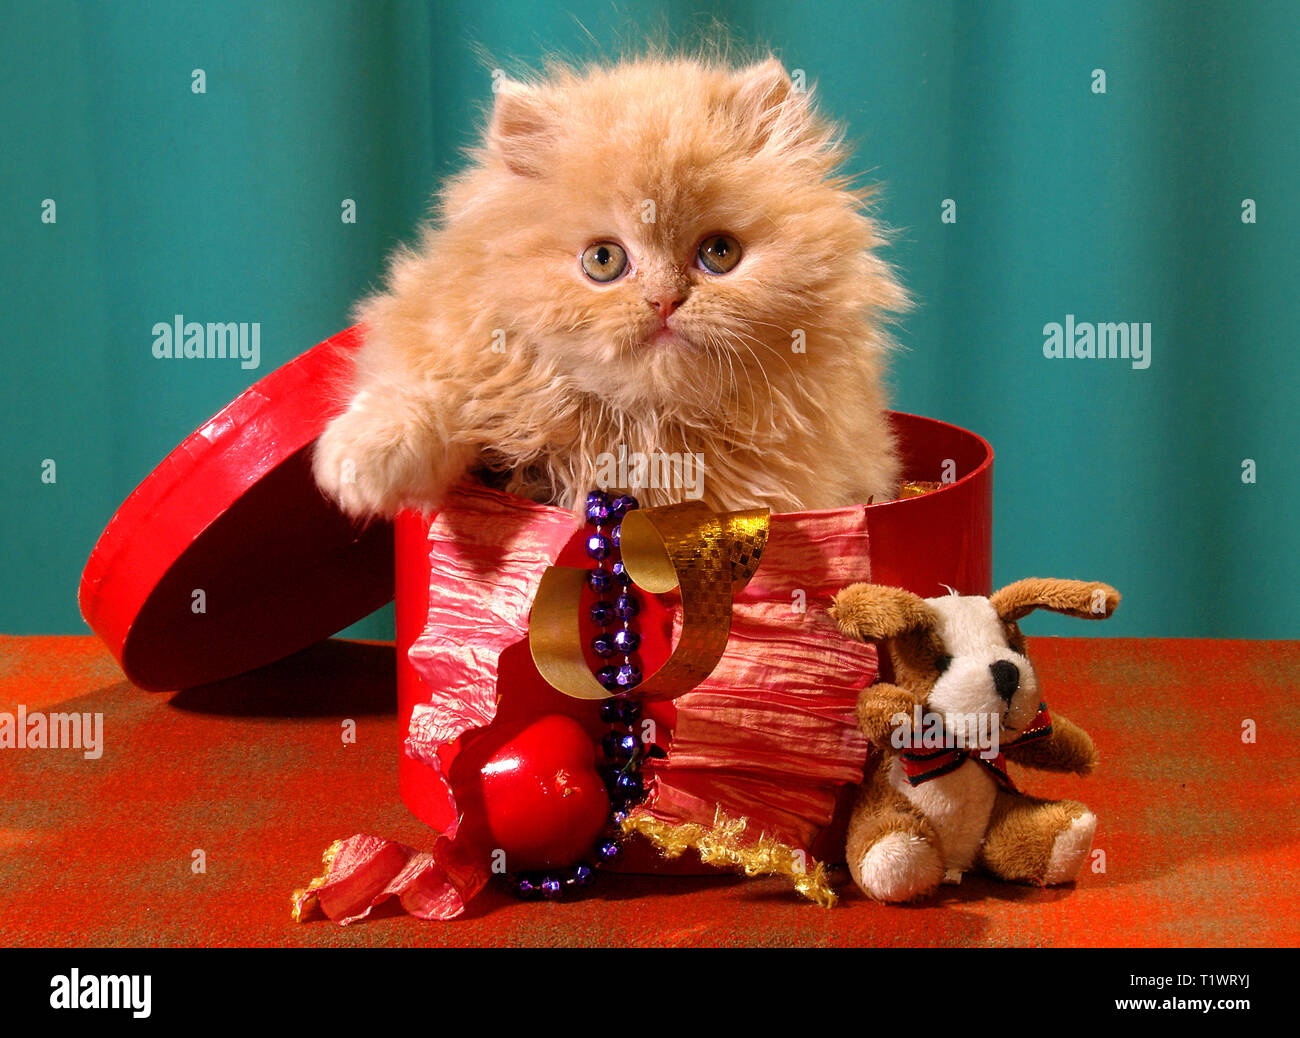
column 1177, row 482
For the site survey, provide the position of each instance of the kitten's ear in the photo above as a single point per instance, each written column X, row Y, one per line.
column 523, row 125
column 767, row 103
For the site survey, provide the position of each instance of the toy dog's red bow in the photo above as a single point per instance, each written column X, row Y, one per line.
column 923, row 765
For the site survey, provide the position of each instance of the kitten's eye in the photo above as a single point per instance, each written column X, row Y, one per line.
column 604, row 261
column 719, row 253
column 942, row 663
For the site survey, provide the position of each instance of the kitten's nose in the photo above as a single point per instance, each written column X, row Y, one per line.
column 1006, row 678
column 666, row 302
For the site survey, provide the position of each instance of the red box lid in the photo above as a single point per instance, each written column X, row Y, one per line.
column 228, row 556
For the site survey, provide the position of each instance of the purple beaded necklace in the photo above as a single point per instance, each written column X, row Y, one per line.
column 623, row 748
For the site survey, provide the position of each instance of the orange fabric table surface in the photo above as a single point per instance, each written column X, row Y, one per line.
column 1200, row 828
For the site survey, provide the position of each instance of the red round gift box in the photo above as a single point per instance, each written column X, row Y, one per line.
column 923, row 543
column 234, row 512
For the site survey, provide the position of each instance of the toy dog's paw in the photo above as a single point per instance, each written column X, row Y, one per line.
column 1069, row 849
column 368, row 463
column 882, row 707
column 899, row 867
column 1088, row 757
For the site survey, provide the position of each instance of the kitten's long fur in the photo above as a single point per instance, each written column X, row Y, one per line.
column 490, row 346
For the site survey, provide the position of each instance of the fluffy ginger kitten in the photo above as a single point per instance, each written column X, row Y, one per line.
column 657, row 258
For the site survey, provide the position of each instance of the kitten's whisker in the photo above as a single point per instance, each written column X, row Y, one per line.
column 725, row 353
column 771, row 401
column 772, row 350
column 767, row 346
column 719, row 393
column 759, row 342
column 753, row 410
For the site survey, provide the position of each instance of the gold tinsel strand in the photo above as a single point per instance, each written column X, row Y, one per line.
column 725, row 844
column 304, row 899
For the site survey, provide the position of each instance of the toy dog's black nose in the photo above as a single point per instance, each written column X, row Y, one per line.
column 1006, row 678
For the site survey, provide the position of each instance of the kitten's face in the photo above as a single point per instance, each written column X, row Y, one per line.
column 667, row 235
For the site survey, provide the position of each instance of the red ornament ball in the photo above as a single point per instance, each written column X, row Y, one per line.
column 538, row 796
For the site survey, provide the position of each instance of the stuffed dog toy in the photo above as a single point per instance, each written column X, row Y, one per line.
column 937, row 801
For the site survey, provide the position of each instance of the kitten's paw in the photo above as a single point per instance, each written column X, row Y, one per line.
column 372, row 464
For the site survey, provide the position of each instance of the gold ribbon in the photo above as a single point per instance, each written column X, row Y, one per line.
column 710, row 556
column 305, row 900
column 728, row 842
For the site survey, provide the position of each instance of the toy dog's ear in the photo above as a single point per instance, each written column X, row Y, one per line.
column 1086, row 599
column 874, row 612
